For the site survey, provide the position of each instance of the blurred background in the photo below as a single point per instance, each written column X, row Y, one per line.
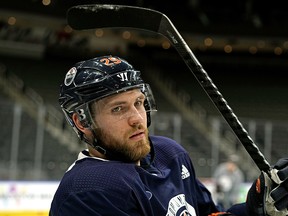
column 243, row 46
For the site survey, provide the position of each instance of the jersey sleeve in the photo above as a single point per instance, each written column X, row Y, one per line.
column 239, row 209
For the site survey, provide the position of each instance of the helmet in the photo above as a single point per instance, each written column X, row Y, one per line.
column 97, row 78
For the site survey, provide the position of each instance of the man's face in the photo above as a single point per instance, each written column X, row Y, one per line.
column 121, row 124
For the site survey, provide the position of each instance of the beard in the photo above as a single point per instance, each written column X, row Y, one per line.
column 124, row 149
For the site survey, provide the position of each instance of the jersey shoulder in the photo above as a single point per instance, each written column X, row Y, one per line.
column 100, row 182
column 89, row 174
column 167, row 145
column 168, row 151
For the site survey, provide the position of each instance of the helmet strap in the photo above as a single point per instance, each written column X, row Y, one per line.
column 95, row 143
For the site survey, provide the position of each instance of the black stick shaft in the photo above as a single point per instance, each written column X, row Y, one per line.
column 167, row 29
column 120, row 16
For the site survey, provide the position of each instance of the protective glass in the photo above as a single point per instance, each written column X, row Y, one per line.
column 136, row 105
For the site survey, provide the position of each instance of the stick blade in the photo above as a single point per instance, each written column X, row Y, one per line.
column 83, row 17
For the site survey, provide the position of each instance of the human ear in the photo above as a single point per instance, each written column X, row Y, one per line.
column 78, row 123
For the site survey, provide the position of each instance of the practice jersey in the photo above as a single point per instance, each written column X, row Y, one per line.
column 168, row 186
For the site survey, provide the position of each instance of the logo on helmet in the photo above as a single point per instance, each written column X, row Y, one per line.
column 70, row 76
column 123, row 76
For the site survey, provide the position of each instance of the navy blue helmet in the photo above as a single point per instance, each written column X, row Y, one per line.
column 97, row 78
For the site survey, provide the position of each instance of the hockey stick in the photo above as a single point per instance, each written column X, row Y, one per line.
column 85, row 17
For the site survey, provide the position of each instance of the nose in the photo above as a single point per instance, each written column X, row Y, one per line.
column 136, row 117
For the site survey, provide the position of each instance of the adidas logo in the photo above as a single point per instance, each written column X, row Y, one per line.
column 185, row 173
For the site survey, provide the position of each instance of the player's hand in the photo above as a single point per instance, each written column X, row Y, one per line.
column 268, row 196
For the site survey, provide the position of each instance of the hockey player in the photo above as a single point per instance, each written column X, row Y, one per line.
column 124, row 171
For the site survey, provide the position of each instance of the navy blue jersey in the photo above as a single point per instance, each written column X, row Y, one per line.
column 94, row 186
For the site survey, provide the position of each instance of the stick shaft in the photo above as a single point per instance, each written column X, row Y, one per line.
column 99, row 16
column 167, row 29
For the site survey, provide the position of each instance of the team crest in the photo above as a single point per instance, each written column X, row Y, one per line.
column 70, row 76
